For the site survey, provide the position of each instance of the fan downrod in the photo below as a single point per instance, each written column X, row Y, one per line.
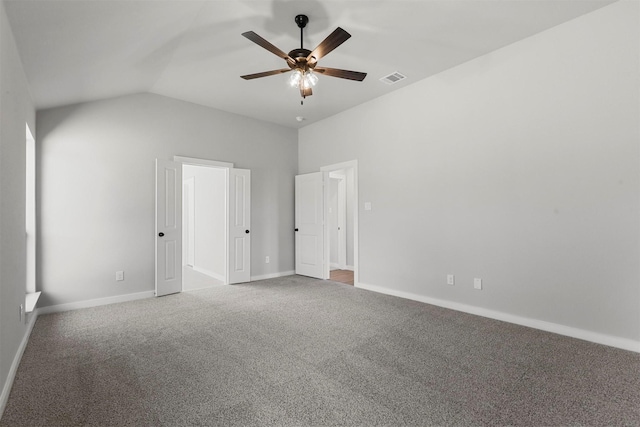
column 302, row 21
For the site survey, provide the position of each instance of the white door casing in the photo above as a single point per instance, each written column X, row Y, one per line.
column 309, row 225
column 168, row 236
column 239, row 268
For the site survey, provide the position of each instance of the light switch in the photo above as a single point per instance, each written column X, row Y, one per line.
column 477, row 283
column 367, row 206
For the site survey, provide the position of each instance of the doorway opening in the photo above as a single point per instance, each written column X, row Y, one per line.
column 341, row 233
column 340, row 224
column 30, row 210
column 204, row 226
column 326, row 216
column 169, row 261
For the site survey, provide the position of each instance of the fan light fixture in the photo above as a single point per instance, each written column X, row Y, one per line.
column 303, row 62
column 305, row 78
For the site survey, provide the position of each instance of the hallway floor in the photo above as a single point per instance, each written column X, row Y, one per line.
column 342, row 276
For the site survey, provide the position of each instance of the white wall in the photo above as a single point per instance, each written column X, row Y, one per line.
column 16, row 110
column 520, row 167
column 210, row 214
column 96, row 212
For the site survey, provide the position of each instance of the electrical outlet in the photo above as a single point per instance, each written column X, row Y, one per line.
column 119, row 276
column 477, row 283
column 451, row 279
column 266, row 259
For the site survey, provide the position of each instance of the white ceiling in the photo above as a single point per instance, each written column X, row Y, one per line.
column 84, row 50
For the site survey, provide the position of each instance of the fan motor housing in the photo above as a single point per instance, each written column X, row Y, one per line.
column 299, row 53
column 300, row 56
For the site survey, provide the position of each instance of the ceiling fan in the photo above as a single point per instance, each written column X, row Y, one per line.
column 303, row 62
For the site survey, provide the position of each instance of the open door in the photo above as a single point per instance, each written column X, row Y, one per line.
column 168, row 227
column 309, row 230
column 239, row 226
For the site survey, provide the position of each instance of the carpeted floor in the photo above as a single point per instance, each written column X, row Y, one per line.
column 298, row 351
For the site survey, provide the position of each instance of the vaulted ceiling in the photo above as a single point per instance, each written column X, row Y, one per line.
column 192, row 50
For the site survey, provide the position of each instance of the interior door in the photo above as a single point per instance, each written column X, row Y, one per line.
column 168, row 227
column 239, row 225
column 309, row 225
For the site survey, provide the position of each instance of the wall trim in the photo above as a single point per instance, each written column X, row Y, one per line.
column 8, row 384
column 595, row 337
column 200, row 162
column 272, row 275
column 336, row 266
column 94, row 302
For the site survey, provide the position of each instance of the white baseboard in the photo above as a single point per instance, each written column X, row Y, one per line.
column 334, row 266
column 94, row 302
column 598, row 338
column 210, row 273
column 6, row 389
column 273, row 275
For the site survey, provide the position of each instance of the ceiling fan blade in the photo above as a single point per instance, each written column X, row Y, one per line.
column 343, row 74
column 304, row 92
column 266, row 73
column 334, row 40
column 265, row 44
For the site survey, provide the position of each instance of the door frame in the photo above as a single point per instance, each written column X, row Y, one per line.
column 326, row 170
column 222, row 165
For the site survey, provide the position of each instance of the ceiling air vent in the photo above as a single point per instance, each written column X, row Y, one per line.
column 392, row 78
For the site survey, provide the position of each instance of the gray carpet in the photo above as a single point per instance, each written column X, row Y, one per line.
column 297, row 351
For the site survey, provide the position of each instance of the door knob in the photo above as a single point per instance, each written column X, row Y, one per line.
column 161, row 234
column 246, row 231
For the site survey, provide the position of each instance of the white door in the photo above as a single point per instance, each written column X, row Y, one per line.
column 309, row 225
column 239, row 225
column 168, row 227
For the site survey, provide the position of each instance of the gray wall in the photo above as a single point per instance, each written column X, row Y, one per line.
column 96, row 204
column 16, row 110
column 519, row 167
